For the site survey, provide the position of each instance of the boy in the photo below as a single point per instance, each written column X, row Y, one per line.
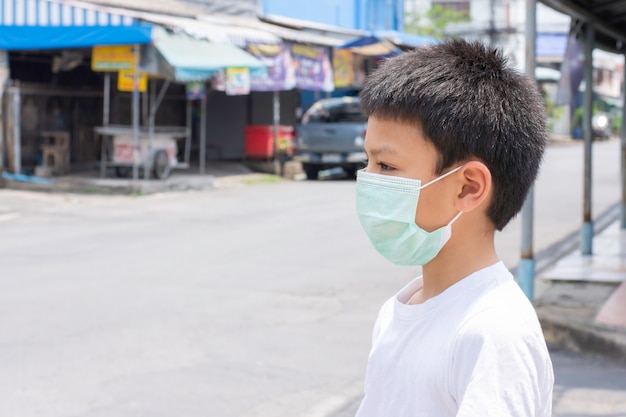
column 454, row 142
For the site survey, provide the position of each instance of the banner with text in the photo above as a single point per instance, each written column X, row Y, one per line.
column 313, row 69
column 280, row 70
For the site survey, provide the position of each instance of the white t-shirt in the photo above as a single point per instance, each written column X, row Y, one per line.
column 475, row 350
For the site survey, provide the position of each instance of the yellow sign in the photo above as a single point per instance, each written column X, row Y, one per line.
column 126, row 81
column 113, row 58
column 237, row 81
column 343, row 68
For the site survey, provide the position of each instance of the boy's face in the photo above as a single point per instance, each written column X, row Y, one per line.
column 400, row 149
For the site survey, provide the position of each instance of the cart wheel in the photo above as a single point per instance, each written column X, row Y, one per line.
column 161, row 165
column 123, row 172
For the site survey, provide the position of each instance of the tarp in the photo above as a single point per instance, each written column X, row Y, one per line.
column 49, row 24
column 191, row 59
column 371, row 45
column 406, row 39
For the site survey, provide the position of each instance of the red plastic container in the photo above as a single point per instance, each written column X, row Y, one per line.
column 259, row 140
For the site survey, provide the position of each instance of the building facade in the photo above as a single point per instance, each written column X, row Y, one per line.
column 367, row 15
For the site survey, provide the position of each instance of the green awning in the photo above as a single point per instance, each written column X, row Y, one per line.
column 188, row 59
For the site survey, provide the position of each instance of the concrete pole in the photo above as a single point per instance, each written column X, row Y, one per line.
column 587, row 229
column 203, row 133
column 275, row 127
column 135, row 114
column 188, row 133
column 17, row 129
column 623, row 140
column 106, row 109
column 526, row 268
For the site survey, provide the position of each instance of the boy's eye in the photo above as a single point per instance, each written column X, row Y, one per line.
column 384, row 167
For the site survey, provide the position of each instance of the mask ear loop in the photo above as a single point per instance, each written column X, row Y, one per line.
column 441, row 177
column 455, row 218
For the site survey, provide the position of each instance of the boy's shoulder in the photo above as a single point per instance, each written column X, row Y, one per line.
column 503, row 315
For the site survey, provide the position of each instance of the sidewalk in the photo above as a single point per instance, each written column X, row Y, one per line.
column 217, row 175
column 582, row 302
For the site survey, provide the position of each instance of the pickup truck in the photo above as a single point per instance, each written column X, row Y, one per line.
column 331, row 135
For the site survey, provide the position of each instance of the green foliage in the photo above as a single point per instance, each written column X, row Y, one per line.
column 617, row 124
column 577, row 119
column 553, row 112
column 433, row 23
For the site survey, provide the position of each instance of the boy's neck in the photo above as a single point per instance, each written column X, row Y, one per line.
column 458, row 259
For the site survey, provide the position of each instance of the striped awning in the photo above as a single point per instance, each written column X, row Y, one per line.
column 55, row 24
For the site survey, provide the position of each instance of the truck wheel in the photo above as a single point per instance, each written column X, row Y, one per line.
column 311, row 171
column 161, row 165
column 350, row 172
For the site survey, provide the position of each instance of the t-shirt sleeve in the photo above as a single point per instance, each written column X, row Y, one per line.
column 502, row 369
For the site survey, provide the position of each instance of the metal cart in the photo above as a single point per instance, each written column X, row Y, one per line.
column 157, row 152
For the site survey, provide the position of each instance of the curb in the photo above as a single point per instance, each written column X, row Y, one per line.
column 567, row 328
column 110, row 187
column 583, row 338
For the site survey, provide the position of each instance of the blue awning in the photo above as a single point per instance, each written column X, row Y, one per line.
column 50, row 24
column 370, row 45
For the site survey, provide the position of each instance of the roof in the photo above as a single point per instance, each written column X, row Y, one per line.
column 168, row 7
column 213, row 32
column 246, row 8
column 607, row 16
column 283, row 32
column 186, row 7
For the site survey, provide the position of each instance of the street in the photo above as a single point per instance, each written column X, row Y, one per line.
column 255, row 300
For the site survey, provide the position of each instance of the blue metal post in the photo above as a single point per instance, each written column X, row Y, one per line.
column 587, row 229
column 623, row 165
column 526, row 268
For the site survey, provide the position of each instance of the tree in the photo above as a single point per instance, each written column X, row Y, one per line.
column 433, row 23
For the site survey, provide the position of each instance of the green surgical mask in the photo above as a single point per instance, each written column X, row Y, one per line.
column 386, row 207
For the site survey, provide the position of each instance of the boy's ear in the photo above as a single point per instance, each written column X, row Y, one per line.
column 475, row 186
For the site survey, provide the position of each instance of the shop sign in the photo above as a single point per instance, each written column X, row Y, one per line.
column 343, row 68
column 195, row 90
column 113, row 58
column 126, row 81
column 312, row 67
column 280, row 69
column 237, row 81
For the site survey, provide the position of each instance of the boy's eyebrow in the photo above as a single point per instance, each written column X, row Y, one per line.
column 381, row 150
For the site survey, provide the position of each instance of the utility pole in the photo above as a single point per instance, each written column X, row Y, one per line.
column 492, row 22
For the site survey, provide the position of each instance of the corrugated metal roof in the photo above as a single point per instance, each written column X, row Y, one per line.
column 187, row 7
column 178, row 16
column 607, row 16
column 248, row 8
column 225, row 34
column 284, row 33
column 234, row 29
column 168, row 7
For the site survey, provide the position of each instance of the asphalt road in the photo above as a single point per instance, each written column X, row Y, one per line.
column 250, row 301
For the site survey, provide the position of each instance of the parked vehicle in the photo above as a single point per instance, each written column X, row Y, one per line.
column 331, row 135
column 601, row 126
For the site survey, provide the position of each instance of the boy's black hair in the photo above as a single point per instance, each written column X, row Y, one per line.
column 470, row 105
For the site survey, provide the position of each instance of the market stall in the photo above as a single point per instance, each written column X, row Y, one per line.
column 173, row 58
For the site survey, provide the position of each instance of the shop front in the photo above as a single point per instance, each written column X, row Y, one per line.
column 52, row 98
